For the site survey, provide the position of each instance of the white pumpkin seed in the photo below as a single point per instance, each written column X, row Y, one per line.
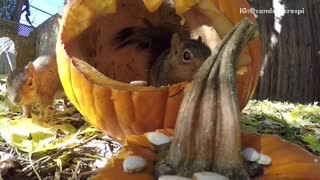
column 208, row 176
column 139, row 83
column 157, row 138
column 250, row 154
column 134, row 164
column 171, row 177
column 264, row 159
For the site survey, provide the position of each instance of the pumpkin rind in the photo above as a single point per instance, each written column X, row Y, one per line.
column 120, row 109
column 289, row 161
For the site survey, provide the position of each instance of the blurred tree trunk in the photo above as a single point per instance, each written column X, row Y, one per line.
column 291, row 55
column 17, row 14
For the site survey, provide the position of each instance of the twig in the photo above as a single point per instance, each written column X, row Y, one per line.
column 58, row 153
column 88, row 173
column 34, row 169
column 87, row 155
column 86, row 141
column 73, row 147
column 74, row 174
column 45, row 158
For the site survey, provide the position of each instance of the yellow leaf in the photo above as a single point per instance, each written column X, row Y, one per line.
column 87, row 129
column 32, row 137
column 20, row 142
column 66, row 128
column 25, row 126
column 63, row 142
column 41, row 142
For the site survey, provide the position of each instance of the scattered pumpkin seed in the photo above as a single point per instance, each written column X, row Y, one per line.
column 264, row 159
column 157, row 138
column 250, row 154
column 134, row 164
column 171, row 177
column 208, row 176
column 139, row 83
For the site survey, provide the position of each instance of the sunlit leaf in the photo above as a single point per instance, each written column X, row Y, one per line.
column 27, row 126
column 41, row 142
column 29, row 135
column 21, row 142
column 87, row 129
column 66, row 128
column 65, row 141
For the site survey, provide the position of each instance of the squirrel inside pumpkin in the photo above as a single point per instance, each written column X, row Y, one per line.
column 38, row 82
column 180, row 62
column 175, row 62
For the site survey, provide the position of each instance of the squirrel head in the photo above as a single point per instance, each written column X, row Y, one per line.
column 21, row 86
column 187, row 56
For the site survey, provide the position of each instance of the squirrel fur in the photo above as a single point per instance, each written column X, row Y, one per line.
column 38, row 82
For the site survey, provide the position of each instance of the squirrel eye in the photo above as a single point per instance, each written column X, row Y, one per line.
column 187, row 56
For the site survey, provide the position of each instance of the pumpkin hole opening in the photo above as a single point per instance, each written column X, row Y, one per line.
column 104, row 45
column 95, row 76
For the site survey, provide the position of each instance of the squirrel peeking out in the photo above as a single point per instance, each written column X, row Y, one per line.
column 38, row 82
column 180, row 62
column 175, row 57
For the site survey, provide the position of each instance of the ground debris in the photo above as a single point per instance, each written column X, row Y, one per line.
column 63, row 148
column 297, row 123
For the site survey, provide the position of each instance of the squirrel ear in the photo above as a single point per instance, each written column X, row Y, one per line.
column 30, row 69
column 175, row 40
column 199, row 39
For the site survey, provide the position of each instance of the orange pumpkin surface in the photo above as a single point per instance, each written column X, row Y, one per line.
column 95, row 76
column 289, row 161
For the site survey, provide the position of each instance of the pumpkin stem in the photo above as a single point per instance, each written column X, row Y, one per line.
column 228, row 132
column 207, row 133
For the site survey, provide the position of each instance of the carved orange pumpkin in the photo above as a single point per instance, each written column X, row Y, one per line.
column 289, row 161
column 95, row 76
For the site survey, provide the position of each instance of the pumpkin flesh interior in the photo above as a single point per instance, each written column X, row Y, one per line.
column 95, row 45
